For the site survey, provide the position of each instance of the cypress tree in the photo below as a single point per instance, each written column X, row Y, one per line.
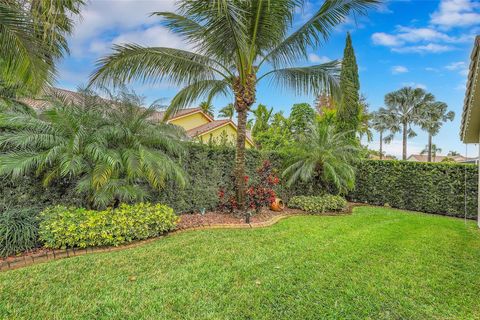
column 349, row 109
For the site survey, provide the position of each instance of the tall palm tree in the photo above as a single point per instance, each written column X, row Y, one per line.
column 432, row 118
column 324, row 153
column 381, row 122
column 228, row 111
column 404, row 106
column 432, row 150
column 33, row 35
column 237, row 45
column 107, row 148
column 207, row 108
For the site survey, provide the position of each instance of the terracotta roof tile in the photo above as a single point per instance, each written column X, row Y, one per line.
column 206, row 127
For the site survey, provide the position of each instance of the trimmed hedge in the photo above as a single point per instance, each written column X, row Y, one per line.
column 318, row 204
column 427, row 187
column 63, row 227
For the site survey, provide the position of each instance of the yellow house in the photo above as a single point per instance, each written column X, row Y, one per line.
column 202, row 127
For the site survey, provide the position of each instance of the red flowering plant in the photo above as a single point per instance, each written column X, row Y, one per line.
column 260, row 192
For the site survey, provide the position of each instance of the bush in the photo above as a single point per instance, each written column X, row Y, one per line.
column 426, row 187
column 63, row 227
column 318, row 204
column 18, row 231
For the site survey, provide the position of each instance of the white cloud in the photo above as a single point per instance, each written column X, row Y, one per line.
column 312, row 57
column 456, row 13
column 399, row 69
column 414, row 85
column 430, row 69
column 427, row 48
column 384, row 39
column 459, row 66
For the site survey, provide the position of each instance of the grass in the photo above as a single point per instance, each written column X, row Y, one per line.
column 378, row 263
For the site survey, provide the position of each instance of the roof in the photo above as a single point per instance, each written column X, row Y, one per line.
column 214, row 124
column 42, row 103
column 180, row 113
column 424, row 158
column 469, row 130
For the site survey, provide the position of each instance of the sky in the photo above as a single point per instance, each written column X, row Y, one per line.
column 418, row 43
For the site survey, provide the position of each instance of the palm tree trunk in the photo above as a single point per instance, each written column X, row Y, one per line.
column 381, row 145
column 404, row 153
column 240, row 158
column 429, row 148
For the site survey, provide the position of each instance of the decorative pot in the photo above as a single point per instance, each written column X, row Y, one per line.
column 277, row 205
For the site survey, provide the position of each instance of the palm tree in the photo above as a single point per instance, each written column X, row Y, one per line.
column 453, row 153
column 107, row 148
column 262, row 118
column 381, row 122
column 228, row 111
column 432, row 150
column 432, row 118
column 207, row 108
column 33, row 35
column 326, row 154
column 237, row 44
column 403, row 106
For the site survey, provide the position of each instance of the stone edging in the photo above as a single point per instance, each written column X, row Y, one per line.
column 49, row 255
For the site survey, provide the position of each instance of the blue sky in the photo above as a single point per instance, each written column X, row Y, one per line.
column 416, row 43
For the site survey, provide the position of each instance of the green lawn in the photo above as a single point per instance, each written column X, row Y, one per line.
column 375, row 264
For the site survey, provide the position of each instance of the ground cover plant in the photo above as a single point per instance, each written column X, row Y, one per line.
column 378, row 263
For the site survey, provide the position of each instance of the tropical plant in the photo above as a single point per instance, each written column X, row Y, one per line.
column 403, row 107
column 349, row 109
column 33, row 35
column 278, row 136
column 381, row 122
column 237, row 44
column 207, row 108
column 108, row 148
column 325, row 154
column 453, row 153
column 18, row 230
column 302, row 118
column 432, row 151
column 228, row 111
column 262, row 119
column 432, row 117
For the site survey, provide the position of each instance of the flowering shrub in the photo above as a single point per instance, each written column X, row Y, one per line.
column 318, row 204
column 63, row 227
column 260, row 193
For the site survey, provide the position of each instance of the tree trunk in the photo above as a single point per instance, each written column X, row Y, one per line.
column 404, row 152
column 381, row 145
column 429, row 148
column 240, row 158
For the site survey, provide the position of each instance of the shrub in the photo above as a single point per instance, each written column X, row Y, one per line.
column 63, row 227
column 427, row 187
column 318, row 204
column 18, row 230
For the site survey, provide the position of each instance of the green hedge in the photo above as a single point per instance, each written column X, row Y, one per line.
column 66, row 227
column 318, row 204
column 428, row 187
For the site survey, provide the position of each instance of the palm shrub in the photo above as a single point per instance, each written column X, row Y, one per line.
column 18, row 230
column 111, row 150
column 237, row 44
column 324, row 154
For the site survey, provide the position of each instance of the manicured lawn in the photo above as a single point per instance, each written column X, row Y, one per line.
column 375, row 264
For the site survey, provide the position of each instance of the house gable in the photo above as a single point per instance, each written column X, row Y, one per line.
column 191, row 121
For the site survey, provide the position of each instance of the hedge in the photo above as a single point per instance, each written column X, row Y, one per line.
column 427, row 187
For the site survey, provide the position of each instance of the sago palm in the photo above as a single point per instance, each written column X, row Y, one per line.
column 236, row 45
column 403, row 106
column 108, row 149
column 324, row 153
column 432, row 118
column 33, row 35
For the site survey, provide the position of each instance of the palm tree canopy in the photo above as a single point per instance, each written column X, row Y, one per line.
column 435, row 150
column 228, row 111
column 207, row 108
column 232, row 41
column 325, row 153
column 434, row 115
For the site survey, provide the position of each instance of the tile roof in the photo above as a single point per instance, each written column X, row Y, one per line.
column 424, row 158
column 207, row 127
column 160, row 114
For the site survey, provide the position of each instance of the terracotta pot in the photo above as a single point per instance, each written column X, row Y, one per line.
column 277, row 205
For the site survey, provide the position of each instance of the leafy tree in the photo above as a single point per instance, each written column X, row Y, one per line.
column 381, row 122
column 228, row 111
column 234, row 42
column 325, row 154
column 432, row 117
column 33, row 35
column 432, row 150
column 107, row 148
column 349, row 109
column 302, row 118
column 207, row 108
column 278, row 136
column 403, row 107
column 262, row 118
